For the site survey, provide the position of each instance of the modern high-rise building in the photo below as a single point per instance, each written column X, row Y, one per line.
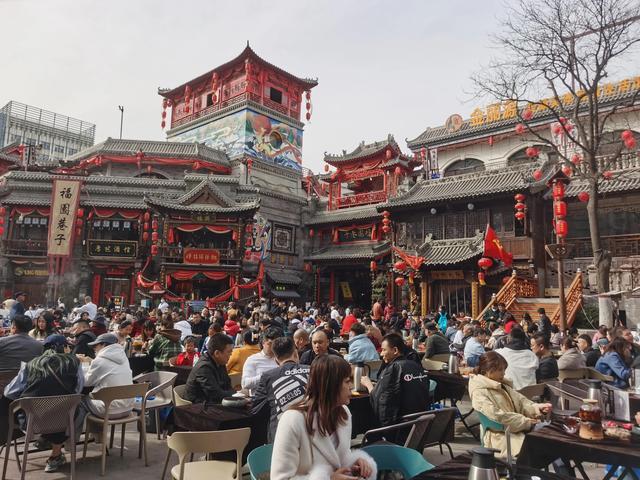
column 50, row 135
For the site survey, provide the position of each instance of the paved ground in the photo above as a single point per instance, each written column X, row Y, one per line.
column 130, row 466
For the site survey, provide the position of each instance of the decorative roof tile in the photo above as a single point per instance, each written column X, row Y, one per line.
column 353, row 251
column 622, row 181
column 451, row 251
column 344, row 215
column 363, row 150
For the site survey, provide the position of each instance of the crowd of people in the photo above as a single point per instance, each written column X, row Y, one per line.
column 283, row 357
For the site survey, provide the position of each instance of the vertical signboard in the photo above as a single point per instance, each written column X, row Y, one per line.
column 64, row 206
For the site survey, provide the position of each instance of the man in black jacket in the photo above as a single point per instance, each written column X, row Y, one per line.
column 208, row 381
column 403, row 386
column 544, row 323
column 82, row 332
column 281, row 387
column 548, row 366
column 319, row 346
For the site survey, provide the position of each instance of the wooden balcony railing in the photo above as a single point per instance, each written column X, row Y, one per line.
column 26, row 248
column 360, row 199
column 618, row 245
column 623, row 162
column 573, row 301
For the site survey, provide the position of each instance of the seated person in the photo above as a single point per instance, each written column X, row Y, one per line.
column 260, row 362
column 522, row 362
column 571, row 358
column 474, row 348
column 240, row 354
column 81, row 330
column 435, row 343
column 501, row 403
column 19, row 346
column 190, row 354
column 166, row 344
column 361, row 348
column 301, row 338
column 55, row 372
column 319, row 346
column 402, row 387
column 109, row 368
column 283, row 386
column 585, row 345
column 615, row 362
column 547, row 363
column 208, row 381
column 467, row 333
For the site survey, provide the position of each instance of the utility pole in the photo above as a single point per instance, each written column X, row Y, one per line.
column 121, row 108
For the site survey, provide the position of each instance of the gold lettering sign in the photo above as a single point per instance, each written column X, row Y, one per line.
column 65, row 197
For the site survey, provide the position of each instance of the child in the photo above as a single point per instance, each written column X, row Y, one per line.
column 189, row 356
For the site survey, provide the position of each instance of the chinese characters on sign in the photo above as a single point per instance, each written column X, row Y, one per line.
column 64, row 205
column 113, row 248
column 201, row 256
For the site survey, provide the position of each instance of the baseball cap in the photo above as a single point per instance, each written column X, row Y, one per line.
column 100, row 320
column 55, row 339
column 105, row 338
column 17, row 294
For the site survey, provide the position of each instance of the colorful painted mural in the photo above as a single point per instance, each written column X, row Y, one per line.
column 250, row 133
column 260, row 248
column 273, row 141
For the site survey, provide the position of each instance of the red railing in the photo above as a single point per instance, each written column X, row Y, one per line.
column 360, row 199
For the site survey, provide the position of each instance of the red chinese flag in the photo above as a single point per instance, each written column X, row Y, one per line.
column 493, row 247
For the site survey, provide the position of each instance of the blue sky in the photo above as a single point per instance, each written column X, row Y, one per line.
column 383, row 66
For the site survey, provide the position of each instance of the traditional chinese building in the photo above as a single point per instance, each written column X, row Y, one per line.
column 346, row 233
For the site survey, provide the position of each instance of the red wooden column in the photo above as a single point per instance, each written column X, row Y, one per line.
column 332, row 286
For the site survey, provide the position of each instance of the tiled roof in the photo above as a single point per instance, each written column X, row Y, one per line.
column 284, row 277
column 622, row 181
column 470, row 185
column 353, row 251
column 362, row 151
column 344, row 215
column 154, row 148
column 436, row 135
column 452, row 251
column 246, row 53
column 201, row 207
column 10, row 158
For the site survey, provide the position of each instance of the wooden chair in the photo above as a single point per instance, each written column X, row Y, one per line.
column 107, row 395
column 187, row 443
column 178, row 396
column 571, row 374
column 160, row 387
column 44, row 415
column 533, row 391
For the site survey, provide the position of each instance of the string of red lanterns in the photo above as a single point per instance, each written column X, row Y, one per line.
column 520, row 206
column 560, row 210
column 485, row 263
column 386, row 221
column 307, row 96
column 628, row 139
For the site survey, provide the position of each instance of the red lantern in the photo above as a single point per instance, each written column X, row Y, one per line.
column 145, row 237
column 1, row 220
column 399, row 281
column 630, row 143
column 532, row 152
column 567, row 170
column 164, row 103
column 154, row 225
column 386, row 228
column 397, row 171
column 527, row 114
column 562, row 228
column 520, row 128
column 154, row 250
column 146, row 216
column 485, row 263
column 576, row 159
column 481, row 278
column 307, row 267
column 78, row 232
column 78, row 223
column 308, row 116
column 400, row 265
column 311, row 233
column 248, row 242
column 423, row 152
column 373, row 266
column 307, row 95
column 154, row 236
column 163, row 124
column 560, row 209
column 557, row 129
column 388, row 154
column 81, row 212
column 519, row 197
column 626, row 134
column 583, row 197
column 520, row 215
column 520, row 206
column 386, row 221
column 145, row 226
column 607, row 174
column 490, row 140
column 558, row 190
column 537, row 175
column 1, row 230
column 505, row 280
column 386, row 213
column 3, row 210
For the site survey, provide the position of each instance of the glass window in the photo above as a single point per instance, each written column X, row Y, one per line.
column 58, row 149
column 275, row 95
column 467, row 165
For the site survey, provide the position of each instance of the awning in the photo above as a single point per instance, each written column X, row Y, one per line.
column 284, row 278
column 285, row 293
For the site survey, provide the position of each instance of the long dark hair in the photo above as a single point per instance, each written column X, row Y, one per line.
column 326, row 377
column 620, row 346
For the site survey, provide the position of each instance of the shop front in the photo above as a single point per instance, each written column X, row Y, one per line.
column 30, row 277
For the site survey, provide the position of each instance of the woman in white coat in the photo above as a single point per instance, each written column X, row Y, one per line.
column 110, row 368
column 313, row 439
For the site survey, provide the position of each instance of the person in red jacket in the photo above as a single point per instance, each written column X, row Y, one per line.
column 349, row 320
column 509, row 322
column 186, row 358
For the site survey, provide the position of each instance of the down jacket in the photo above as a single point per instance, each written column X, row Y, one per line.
column 300, row 456
column 504, row 405
column 361, row 350
column 110, row 368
